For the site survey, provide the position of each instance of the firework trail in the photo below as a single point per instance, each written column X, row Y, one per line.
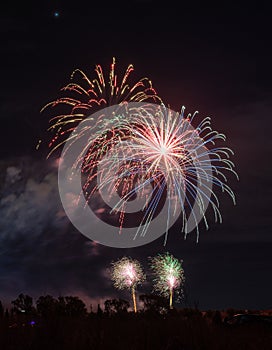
column 168, row 275
column 89, row 95
column 127, row 273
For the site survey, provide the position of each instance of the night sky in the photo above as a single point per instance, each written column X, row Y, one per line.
column 216, row 60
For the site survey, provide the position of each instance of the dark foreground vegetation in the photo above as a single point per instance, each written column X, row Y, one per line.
column 64, row 323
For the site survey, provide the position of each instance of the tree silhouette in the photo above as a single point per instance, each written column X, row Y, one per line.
column 75, row 307
column 46, row 306
column 71, row 306
column 23, row 304
column 1, row 310
column 119, row 306
column 155, row 303
column 99, row 311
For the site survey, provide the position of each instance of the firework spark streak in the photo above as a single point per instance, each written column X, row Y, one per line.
column 168, row 275
column 147, row 165
column 133, row 167
column 127, row 273
column 87, row 96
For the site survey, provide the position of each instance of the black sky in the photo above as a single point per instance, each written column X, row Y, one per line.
column 214, row 59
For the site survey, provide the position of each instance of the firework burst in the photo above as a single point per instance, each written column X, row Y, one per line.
column 124, row 148
column 151, row 146
column 85, row 96
column 168, row 275
column 127, row 273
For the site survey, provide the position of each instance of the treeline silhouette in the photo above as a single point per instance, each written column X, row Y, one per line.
column 66, row 323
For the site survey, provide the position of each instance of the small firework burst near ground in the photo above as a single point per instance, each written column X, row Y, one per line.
column 127, row 273
column 168, row 275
